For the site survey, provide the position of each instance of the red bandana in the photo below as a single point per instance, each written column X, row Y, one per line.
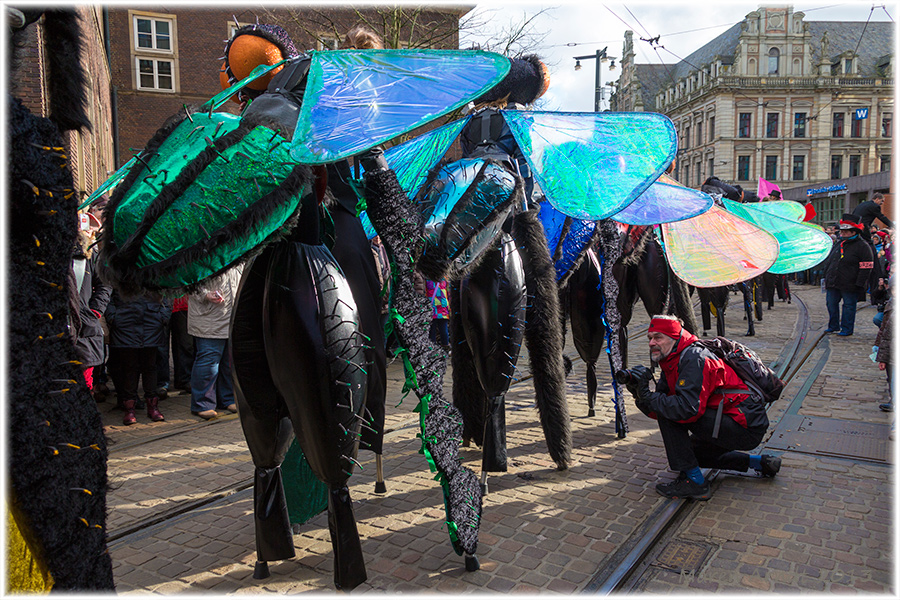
column 669, row 327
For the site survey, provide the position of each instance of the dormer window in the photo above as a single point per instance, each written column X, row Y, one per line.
column 848, row 66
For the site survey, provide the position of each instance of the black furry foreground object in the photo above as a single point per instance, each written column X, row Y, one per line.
column 56, row 445
column 57, row 452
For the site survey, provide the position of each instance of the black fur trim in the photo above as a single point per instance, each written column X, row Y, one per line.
column 521, row 85
column 634, row 257
column 543, row 336
column 66, row 79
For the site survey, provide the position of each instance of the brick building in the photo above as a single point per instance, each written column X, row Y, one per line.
column 801, row 103
column 164, row 57
column 90, row 152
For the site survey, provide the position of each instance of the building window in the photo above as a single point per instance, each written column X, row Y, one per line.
column 853, row 165
column 773, row 61
column 154, row 74
column 837, row 125
column 743, row 172
column 885, row 162
column 687, row 137
column 771, row 168
column 744, row 125
column 848, row 66
column 836, row 164
column 799, row 125
column 697, row 175
column 772, row 125
column 797, row 169
column 712, row 129
column 886, row 124
column 687, row 175
column 856, row 127
column 709, row 167
column 153, row 50
column 699, row 133
column 152, row 34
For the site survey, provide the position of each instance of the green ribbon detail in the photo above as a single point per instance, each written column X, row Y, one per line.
column 359, row 188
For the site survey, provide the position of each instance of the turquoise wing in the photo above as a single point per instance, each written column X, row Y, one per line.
column 356, row 99
column 786, row 209
column 593, row 165
column 718, row 248
column 114, row 180
column 665, row 201
column 800, row 246
column 412, row 160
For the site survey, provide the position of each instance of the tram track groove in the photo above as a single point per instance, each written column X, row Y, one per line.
column 617, row 572
column 627, row 563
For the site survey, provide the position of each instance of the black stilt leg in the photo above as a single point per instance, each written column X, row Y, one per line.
column 349, row 565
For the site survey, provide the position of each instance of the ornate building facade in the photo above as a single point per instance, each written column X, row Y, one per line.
column 800, row 103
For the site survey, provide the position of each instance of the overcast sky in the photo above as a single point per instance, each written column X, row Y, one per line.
column 582, row 28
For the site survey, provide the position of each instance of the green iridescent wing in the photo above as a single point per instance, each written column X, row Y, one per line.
column 800, row 245
column 593, row 165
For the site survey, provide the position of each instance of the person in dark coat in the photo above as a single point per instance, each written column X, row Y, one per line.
column 870, row 210
column 91, row 297
column 847, row 270
column 693, row 387
column 136, row 328
column 883, row 342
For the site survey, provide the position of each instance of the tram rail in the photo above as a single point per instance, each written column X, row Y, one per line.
column 627, row 564
column 623, row 568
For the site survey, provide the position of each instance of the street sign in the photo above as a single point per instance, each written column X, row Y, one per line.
column 861, row 113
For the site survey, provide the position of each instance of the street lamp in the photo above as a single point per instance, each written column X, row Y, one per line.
column 601, row 57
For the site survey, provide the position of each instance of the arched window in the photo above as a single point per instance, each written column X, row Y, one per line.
column 773, row 61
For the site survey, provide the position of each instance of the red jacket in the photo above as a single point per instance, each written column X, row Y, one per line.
column 697, row 378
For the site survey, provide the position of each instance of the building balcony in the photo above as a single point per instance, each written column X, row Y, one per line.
column 724, row 84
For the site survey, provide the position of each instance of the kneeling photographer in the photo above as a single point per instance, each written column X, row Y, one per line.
column 686, row 405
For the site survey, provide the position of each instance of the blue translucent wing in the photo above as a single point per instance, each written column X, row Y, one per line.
column 718, row 248
column 356, row 99
column 412, row 160
column 787, row 209
column 592, row 165
column 573, row 244
column 436, row 207
column 112, row 182
column 799, row 245
column 665, row 201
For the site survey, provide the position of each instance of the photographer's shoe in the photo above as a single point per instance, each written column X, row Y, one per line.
column 684, row 488
column 769, row 465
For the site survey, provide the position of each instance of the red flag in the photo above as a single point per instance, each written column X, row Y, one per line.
column 810, row 212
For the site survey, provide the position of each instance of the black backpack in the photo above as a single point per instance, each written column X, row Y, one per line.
column 748, row 366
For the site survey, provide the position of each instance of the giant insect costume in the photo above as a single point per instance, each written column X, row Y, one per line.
column 587, row 166
column 56, row 453
column 211, row 190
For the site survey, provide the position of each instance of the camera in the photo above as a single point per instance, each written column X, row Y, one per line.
column 626, row 377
